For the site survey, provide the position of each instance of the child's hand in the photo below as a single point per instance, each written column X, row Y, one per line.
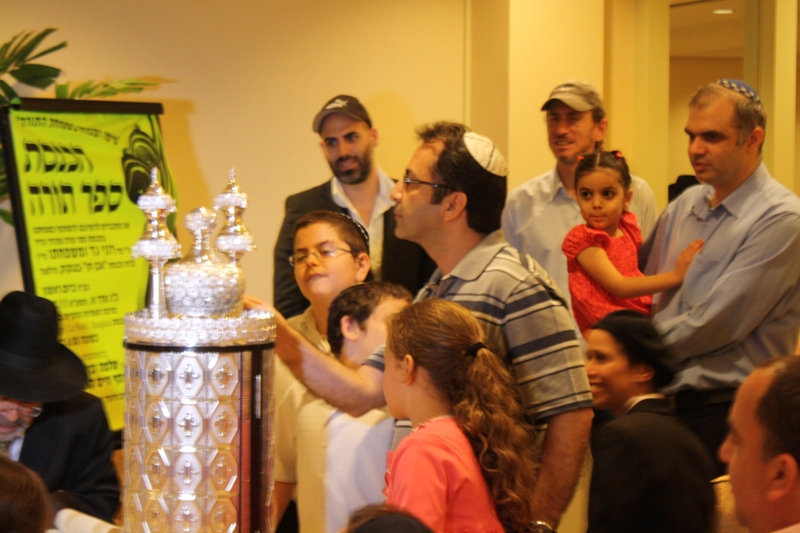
column 254, row 302
column 687, row 256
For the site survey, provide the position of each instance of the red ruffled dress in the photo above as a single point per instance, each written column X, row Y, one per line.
column 590, row 301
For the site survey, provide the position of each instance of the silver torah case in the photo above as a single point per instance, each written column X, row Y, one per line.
column 198, row 432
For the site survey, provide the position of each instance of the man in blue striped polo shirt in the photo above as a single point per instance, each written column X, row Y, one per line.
column 450, row 202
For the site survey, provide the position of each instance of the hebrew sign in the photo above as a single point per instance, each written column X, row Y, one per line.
column 75, row 170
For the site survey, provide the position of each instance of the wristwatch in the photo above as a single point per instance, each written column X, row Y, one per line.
column 539, row 526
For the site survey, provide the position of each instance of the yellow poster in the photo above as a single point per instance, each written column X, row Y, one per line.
column 74, row 184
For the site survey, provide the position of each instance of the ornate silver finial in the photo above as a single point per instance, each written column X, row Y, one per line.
column 157, row 244
column 233, row 240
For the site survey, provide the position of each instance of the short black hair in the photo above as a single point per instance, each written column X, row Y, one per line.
column 748, row 114
column 351, row 232
column 358, row 302
column 458, row 170
column 611, row 160
column 779, row 409
column 641, row 342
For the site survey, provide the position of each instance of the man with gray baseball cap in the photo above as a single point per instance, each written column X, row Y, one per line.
column 539, row 213
column 358, row 189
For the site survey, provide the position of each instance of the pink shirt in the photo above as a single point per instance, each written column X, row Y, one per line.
column 435, row 476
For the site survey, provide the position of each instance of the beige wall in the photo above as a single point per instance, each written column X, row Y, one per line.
column 543, row 53
column 241, row 82
column 686, row 76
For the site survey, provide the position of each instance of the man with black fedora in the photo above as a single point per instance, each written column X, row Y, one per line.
column 47, row 422
column 358, row 189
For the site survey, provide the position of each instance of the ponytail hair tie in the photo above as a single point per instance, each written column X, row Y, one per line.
column 617, row 154
column 580, row 158
column 473, row 350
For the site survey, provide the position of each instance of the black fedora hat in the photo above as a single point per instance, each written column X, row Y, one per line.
column 34, row 367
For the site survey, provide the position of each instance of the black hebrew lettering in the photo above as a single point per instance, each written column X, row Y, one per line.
column 66, row 192
column 34, row 191
column 49, row 166
column 113, row 204
column 32, row 147
column 54, row 158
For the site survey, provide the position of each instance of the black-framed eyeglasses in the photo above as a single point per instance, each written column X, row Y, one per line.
column 407, row 181
column 323, row 254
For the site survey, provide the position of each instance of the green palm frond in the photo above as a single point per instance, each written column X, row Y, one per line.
column 15, row 61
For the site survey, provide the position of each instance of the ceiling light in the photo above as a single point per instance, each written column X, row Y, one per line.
column 723, row 11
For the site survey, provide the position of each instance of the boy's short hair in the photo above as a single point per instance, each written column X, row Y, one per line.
column 351, row 232
column 358, row 302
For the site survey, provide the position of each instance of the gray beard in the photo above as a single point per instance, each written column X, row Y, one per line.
column 22, row 426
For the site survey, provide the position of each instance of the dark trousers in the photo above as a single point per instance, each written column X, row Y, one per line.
column 709, row 421
column 289, row 522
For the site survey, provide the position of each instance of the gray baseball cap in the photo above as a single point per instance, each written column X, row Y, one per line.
column 578, row 95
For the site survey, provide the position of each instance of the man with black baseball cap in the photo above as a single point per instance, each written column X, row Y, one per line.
column 539, row 213
column 358, row 189
column 47, row 422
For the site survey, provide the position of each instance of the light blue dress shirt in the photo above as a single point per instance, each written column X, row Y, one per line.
column 740, row 301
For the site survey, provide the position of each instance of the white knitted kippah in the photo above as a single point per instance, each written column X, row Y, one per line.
column 484, row 151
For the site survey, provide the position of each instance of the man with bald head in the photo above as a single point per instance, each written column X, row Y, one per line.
column 762, row 449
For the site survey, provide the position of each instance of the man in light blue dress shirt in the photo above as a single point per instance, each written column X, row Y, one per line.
column 740, row 301
column 539, row 213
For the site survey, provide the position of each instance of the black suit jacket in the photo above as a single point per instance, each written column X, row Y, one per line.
column 70, row 447
column 404, row 262
column 650, row 474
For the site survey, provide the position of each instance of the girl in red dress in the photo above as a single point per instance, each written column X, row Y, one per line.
column 468, row 465
column 602, row 255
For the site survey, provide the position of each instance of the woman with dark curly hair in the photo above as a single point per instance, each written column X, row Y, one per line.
column 468, row 465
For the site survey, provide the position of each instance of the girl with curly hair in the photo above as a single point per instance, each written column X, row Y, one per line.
column 468, row 464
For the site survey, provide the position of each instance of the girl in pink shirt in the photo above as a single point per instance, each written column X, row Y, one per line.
column 468, row 465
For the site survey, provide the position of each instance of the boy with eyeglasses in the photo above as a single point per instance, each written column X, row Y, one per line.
column 330, row 253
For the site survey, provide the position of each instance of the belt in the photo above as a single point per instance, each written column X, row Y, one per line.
column 688, row 399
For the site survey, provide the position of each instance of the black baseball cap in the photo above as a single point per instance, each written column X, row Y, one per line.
column 348, row 106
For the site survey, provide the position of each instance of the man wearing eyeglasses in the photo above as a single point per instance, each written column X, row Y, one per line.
column 450, row 202
column 358, row 189
column 47, row 422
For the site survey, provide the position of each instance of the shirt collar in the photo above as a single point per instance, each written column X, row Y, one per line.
column 556, row 187
column 383, row 202
column 636, row 399
column 735, row 204
column 475, row 262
